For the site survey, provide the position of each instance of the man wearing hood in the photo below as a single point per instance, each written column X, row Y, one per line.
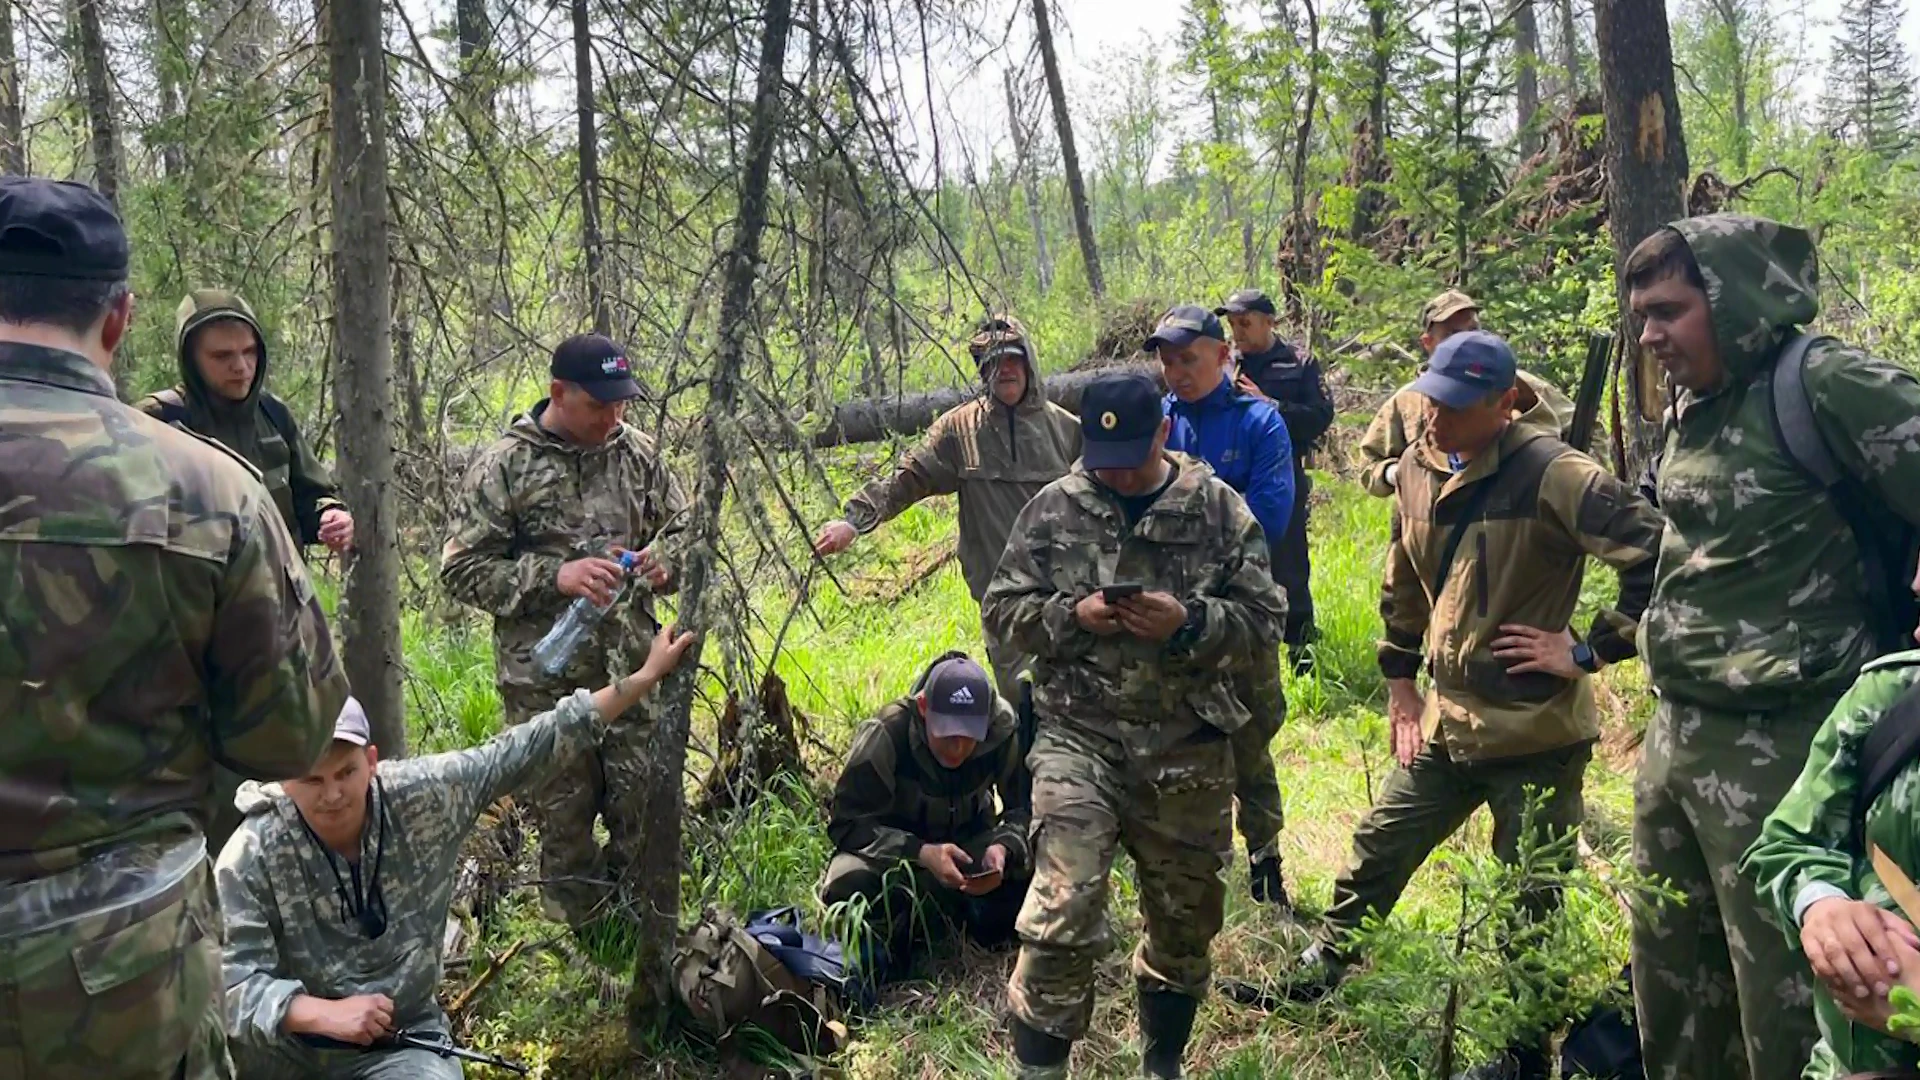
column 1243, row 439
column 1269, row 368
column 549, row 510
column 995, row 453
column 335, row 888
column 1761, row 619
column 913, row 819
column 223, row 395
column 1402, row 420
column 1140, row 583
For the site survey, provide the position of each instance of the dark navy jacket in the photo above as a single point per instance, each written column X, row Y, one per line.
column 1245, row 442
column 1297, row 390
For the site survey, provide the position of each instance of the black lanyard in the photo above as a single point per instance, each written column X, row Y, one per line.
column 364, row 903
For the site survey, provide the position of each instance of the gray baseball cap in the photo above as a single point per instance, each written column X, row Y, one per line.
column 959, row 699
column 352, row 726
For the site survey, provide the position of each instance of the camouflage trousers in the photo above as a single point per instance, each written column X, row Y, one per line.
column 288, row 1060
column 606, row 784
column 909, row 912
column 1256, row 786
column 1718, row 988
column 1420, row 806
column 1173, row 815
column 133, row 994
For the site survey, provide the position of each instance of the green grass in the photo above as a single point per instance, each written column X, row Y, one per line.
column 560, row 1011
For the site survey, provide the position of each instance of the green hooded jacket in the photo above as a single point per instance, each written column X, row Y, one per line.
column 1759, row 602
column 1806, row 851
column 260, row 428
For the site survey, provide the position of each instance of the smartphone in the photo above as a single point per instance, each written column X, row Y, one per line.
column 1121, row 591
column 977, row 873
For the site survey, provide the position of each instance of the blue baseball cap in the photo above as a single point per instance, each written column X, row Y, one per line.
column 1120, row 416
column 1183, row 326
column 1466, row 369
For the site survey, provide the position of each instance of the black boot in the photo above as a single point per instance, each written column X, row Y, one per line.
column 1302, row 645
column 1039, row 1054
column 1318, row 973
column 1265, row 883
column 1519, row 1061
column 1166, row 1019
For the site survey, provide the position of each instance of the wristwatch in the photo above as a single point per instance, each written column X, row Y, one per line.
column 1584, row 658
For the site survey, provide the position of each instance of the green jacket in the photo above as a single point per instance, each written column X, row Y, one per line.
column 894, row 796
column 533, row 501
column 1806, row 850
column 1520, row 561
column 286, row 930
column 1760, row 603
column 260, row 429
column 157, row 621
column 994, row 457
column 1199, row 542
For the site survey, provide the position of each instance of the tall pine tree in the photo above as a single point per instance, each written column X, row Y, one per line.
column 1870, row 82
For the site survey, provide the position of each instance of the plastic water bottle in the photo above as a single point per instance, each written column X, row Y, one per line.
column 553, row 651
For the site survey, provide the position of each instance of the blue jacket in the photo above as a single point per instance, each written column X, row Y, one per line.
column 1297, row 389
column 1245, row 442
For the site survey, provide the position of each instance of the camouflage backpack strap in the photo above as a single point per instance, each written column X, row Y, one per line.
column 697, row 966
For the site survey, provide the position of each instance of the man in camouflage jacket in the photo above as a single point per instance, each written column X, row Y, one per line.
column 914, row 816
column 1402, row 420
column 548, row 509
column 994, row 452
column 1759, row 622
column 1819, row 880
column 158, row 620
column 1137, row 703
column 335, row 888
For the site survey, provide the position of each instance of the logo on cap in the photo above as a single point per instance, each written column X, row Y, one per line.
column 962, row 696
column 615, row 365
column 1109, row 421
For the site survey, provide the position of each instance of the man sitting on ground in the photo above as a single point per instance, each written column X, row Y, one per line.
column 913, row 817
column 335, row 887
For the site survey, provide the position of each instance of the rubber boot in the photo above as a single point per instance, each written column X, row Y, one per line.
column 1040, row 1056
column 1166, row 1020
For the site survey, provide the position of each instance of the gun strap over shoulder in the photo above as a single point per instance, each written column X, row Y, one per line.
column 1891, row 744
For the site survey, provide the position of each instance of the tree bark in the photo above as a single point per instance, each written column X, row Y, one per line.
column 1730, row 15
column 1306, row 241
column 1030, row 178
column 1371, row 140
column 363, row 361
column 1569, row 50
column 105, row 136
column 13, row 143
column 658, row 878
column 1647, row 174
column 589, row 170
column 1076, row 187
column 168, row 61
column 1526, row 62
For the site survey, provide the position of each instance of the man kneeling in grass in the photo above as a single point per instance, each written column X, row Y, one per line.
column 336, row 885
column 914, row 823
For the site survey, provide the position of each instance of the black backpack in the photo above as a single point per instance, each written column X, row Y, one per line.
column 1888, row 543
column 1891, row 744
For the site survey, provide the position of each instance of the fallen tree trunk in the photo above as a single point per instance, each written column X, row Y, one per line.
column 873, row 419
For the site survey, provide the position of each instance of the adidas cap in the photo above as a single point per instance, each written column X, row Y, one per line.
column 959, row 699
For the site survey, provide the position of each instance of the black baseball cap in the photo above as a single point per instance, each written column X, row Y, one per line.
column 1247, row 300
column 959, row 699
column 598, row 365
column 1119, row 417
column 59, row 229
column 1467, row 368
column 1183, row 326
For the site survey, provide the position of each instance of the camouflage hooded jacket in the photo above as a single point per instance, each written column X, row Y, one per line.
column 994, row 457
column 535, row 501
column 288, row 932
column 1760, row 602
column 1199, row 542
column 260, row 428
column 158, row 621
column 1807, row 852
column 894, row 796
column 1402, row 422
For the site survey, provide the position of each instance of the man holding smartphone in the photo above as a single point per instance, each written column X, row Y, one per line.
column 1137, row 706
column 914, row 823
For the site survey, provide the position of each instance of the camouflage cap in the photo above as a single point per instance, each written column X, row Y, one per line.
column 996, row 336
column 1446, row 306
